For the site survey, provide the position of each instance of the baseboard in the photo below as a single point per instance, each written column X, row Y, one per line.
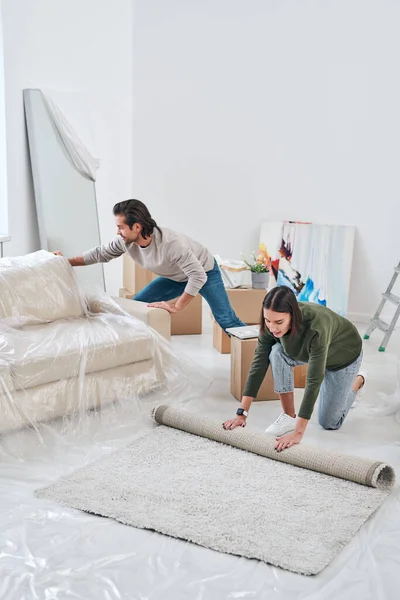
column 365, row 318
column 358, row 317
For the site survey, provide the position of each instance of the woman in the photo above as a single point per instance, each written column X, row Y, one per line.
column 293, row 333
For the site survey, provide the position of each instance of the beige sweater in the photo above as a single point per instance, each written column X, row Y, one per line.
column 170, row 254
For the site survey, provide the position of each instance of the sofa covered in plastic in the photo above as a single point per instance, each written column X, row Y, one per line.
column 63, row 351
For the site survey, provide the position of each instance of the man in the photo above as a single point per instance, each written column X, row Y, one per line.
column 185, row 267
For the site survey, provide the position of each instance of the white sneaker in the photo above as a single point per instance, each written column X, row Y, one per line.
column 359, row 394
column 283, row 424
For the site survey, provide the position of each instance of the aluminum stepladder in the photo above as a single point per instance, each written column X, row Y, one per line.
column 376, row 322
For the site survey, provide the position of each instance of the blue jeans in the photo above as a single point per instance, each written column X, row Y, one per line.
column 336, row 394
column 213, row 291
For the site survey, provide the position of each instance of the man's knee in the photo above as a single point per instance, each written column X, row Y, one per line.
column 141, row 297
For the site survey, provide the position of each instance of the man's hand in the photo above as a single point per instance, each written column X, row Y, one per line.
column 171, row 308
column 239, row 421
column 74, row 262
column 288, row 440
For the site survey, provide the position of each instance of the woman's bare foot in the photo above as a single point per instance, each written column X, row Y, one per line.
column 358, row 383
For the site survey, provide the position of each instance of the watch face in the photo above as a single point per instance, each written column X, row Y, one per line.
column 240, row 411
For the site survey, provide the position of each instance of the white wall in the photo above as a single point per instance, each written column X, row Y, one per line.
column 3, row 150
column 242, row 111
column 271, row 109
column 83, row 45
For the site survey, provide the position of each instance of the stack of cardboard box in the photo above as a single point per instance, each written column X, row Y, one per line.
column 247, row 304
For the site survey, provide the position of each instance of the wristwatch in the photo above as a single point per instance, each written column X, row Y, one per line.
column 242, row 412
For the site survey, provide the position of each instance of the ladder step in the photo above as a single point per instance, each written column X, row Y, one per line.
column 380, row 324
column 391, row 297
column 376, row 322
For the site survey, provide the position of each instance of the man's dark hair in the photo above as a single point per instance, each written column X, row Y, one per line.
column 282, row 299
column 134, row 211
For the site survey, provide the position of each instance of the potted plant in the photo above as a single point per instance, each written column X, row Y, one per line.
column 260, row 267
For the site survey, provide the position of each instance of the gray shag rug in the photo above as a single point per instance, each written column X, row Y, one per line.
column 223, row 498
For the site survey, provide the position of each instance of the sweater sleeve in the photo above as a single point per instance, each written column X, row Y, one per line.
column 315, row 375
column 105, row 253
column 259, row 366
column 191, row 266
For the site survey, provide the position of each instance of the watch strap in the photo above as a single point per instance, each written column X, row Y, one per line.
column 242, row 412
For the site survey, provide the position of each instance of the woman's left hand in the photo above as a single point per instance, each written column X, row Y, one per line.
column 165, row 305
column 288, row 440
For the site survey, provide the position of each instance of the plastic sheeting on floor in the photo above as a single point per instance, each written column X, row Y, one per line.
column 49, row 552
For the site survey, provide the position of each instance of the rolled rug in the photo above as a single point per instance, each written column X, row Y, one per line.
column 352, row 468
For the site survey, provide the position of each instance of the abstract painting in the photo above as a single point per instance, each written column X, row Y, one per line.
column 313, row 260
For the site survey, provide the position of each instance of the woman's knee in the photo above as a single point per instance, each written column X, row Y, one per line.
column 276, row 354
column 329, row 424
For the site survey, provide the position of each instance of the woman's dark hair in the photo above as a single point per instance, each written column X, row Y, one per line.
column 282, row 299
column 135, row 211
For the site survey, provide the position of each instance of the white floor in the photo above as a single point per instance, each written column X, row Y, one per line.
column 51, row 553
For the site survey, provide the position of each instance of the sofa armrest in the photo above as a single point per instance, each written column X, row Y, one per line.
column 156, row 318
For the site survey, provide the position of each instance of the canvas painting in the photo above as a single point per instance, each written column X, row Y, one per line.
column 313, row 260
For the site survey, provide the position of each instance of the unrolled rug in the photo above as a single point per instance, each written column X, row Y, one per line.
column 296, row 511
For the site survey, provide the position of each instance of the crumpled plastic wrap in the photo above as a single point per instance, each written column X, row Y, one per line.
column 388, row 404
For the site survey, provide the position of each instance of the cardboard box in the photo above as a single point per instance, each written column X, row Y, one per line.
column 135, row 277
column 247, row 303
column 242, row 353
column 124, row 293
column 187, row 322
column 221, row 341
column 300, row 376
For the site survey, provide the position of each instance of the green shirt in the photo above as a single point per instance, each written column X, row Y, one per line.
column 325, row 341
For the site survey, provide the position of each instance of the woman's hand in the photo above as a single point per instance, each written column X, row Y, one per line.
column 288, row 440
column 171, row 308
column 239, row 421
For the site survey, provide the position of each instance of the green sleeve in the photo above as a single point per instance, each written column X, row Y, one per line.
column 259, row 365
column 315, row 376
